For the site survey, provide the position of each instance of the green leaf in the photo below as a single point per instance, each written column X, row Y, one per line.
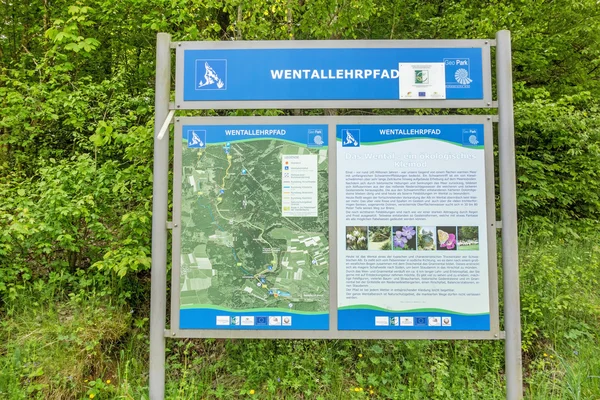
column 72, row 46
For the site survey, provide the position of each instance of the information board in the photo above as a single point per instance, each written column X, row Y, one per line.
column 264, row 74
column 254, row 226
column 385, row 234
column 412, row 227
column 308, row 252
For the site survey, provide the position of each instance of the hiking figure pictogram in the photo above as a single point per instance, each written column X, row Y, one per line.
column 211, row 77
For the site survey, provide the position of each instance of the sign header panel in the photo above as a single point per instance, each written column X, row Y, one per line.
column 227, row 74
column 322, row 74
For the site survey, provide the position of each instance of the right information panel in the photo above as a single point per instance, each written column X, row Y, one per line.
column 412, row 227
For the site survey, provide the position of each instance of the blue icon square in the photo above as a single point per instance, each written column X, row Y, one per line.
column 458, row 72
column 472, row 137
column 286, row 167
column 422, row 94
column 420, row 320
column 196, row 138
column 261, row 320
column 211, row 74
column 350, row 137
column 316, row 138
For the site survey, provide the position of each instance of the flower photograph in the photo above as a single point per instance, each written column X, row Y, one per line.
column 380, row 238
column 356, row 238
column 404, row 238
column 446, row 236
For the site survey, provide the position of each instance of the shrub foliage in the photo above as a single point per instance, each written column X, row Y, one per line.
column 76, row 109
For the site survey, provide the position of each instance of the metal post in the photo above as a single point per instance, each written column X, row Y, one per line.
column 508, row 206
column 158, row 292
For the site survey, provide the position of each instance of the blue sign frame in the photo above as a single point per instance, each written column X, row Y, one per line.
column 297, row 74
column 339, row 322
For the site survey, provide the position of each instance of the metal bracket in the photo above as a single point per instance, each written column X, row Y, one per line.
column 502, row 335
column 165, row 125
column 498, row 224
column 169, row 224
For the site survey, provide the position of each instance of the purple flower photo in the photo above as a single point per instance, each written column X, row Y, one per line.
column 404, row 238
column 446, row 236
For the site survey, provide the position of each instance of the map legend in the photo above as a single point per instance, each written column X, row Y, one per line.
column 299, row 185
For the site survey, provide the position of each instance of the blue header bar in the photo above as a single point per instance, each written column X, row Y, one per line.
column 468, row 135
column 287, row 74
column 199, row 136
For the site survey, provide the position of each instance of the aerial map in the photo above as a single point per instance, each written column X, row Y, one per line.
column 242, row 254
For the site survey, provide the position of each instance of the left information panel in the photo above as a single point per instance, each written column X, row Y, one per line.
column 254, row 215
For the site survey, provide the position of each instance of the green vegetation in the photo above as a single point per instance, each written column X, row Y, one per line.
column 426, row 238
column 356, row 238
column 468, row 238
column 380, row 238
column 73, row 347
column 76, row 97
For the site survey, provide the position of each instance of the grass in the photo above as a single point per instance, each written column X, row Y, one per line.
column 88, row 344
